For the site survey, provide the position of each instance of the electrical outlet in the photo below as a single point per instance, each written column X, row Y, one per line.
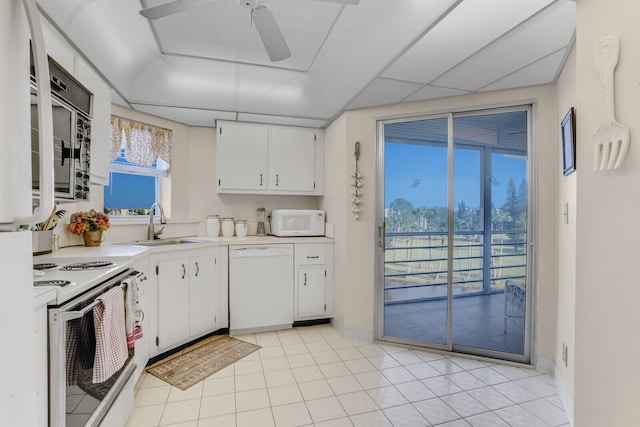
column 565, row 354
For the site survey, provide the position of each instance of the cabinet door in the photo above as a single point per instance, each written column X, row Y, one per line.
column 292, row 159
column 311, row 292
column 100, row 122
column 173, row 301
column 242, row 157
column 205, row 301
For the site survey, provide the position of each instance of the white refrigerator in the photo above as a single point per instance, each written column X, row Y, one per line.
column 19, row 22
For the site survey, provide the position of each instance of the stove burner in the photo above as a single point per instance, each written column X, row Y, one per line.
column 91, row 265
column 45, row 266
column 51, row 283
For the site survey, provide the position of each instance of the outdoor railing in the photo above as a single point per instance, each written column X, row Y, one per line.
column 416, row 263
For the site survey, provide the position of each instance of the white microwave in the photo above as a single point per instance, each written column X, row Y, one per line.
column 297, row 222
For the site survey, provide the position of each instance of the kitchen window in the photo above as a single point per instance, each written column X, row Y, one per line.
column 140, row 156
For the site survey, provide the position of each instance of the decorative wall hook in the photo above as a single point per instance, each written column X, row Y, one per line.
column 356, row 193
column 611, row 140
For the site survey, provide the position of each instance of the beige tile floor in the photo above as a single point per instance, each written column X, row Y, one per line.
column 312, row 376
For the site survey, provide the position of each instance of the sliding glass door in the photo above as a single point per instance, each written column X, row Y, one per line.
column 453, row 264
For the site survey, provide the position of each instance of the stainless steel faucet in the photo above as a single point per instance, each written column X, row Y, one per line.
column 151, row 233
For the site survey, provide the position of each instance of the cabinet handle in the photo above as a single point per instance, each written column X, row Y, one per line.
column 184, row 271
column 260, row 179
column 305, row 279
column 313, row 257
column 197, row 268
column 277, row 179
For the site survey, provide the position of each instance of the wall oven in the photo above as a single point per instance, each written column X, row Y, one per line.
column 71, row 135
column 77, row 354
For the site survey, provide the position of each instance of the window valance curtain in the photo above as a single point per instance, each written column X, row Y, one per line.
column 143, row 143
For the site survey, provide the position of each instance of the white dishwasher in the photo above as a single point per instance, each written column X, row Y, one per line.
column 260, row 288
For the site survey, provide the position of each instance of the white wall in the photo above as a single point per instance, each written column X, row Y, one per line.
column 566, row 92
column 356, row 240
column 607, row 348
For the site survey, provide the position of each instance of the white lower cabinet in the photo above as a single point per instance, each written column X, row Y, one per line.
column 204, row 298
column 191, row 295
column 313, row 293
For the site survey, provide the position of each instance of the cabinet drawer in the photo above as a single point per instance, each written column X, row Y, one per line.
column 311, row 257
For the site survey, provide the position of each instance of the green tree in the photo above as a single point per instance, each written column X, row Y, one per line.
column 511, row 206
column 401, row 216
column 462, row 217
column 521, row 220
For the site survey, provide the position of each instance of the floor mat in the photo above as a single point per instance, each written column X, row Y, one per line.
column 197, row 362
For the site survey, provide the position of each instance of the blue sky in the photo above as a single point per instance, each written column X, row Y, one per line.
column 419, row 174
column 130, row 191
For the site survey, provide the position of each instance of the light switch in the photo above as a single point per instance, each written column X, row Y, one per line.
column 565, row 213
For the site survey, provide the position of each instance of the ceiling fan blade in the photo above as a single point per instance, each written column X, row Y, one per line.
column 353, row 2
column 171, row 8
column 270, row 33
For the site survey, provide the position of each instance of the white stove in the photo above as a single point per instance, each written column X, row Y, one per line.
column 70, row 279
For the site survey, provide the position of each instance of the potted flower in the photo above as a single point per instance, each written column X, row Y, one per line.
column 89, row 225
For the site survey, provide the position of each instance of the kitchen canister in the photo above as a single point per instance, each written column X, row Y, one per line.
column 227, row 227
column 241, row 228
column 213, row 226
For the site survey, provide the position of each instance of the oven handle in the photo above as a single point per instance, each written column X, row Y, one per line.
column 70, row 315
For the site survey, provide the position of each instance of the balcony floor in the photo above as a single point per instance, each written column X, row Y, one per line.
column 478, row 321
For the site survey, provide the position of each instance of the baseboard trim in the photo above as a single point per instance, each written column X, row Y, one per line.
column 352, row 334
column 547, row 365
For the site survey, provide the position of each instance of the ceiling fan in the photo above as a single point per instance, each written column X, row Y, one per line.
column 261, row 16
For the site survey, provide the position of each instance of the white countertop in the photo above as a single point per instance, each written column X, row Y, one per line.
column 104, row 251
column 43, row 295
column 133, row 252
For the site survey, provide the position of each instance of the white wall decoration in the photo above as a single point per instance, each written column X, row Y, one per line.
column 356, row 193
column 611, row 140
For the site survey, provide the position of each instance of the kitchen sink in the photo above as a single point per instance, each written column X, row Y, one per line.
column 167, row 242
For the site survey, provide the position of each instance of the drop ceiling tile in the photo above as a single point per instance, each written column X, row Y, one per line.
column 547, row 32
column 188, row 116
column 60, row 10
column 278, row 92
column 460, row 34
column 185, row 82
column 223, row 30
column 359, row 48
column 279, row 120
column 115, row 38
column 540, row 72
column 433, row 92
column 383, row 91
column 117, row 99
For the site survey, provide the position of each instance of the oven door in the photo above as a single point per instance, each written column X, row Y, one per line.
column 74, row 398
column 64, row 143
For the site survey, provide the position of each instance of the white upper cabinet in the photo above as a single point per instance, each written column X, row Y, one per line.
column 268, row 159
column 292, row 159
column 241, row 158
column 100, row 122
column 61, row 52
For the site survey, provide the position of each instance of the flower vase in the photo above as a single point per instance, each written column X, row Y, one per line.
column 92, row 238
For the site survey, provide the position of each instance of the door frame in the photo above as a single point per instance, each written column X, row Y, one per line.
column 532, row 234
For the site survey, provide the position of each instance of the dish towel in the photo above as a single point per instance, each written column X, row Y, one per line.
column 133, row 312
column 80, row 347
column 111, row 337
